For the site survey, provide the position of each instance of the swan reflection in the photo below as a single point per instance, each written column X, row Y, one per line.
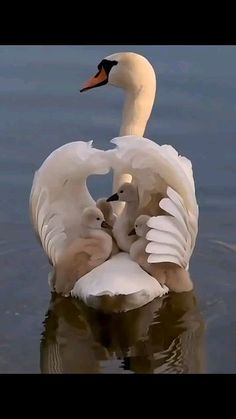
column 165, row 336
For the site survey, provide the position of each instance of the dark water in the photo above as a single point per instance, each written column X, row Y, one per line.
column 40, row 109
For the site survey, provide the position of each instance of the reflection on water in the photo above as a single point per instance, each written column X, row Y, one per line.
column 165, row 336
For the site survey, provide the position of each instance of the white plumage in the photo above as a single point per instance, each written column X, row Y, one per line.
column 119, row 284
column 59, row 193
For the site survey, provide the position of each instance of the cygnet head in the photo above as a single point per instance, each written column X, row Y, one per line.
column 127, row 70
column 126, row 193
column 140, row 226
column 93, row 218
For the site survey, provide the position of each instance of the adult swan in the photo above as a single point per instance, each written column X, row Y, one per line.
column 59, row 193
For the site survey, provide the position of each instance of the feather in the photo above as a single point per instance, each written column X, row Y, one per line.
column 59, row 194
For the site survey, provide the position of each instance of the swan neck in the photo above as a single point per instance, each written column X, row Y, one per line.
column 137, row 110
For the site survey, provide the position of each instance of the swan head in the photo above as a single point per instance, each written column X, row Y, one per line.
column 140, row 226
column 127, row 192
column 126, row 70
column 93, row 218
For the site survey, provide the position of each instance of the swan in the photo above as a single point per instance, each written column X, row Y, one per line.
column 59, row 193
column 173, row 276
column 91, row 249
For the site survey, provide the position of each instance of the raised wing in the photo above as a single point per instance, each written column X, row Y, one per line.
column 158, row 168
column 59, row 194
column 172, row 237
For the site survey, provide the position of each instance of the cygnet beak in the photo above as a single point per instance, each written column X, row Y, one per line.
column 114, row 197
column 132, row 232
column 105, row 225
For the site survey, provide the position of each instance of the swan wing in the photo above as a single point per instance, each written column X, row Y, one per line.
column 161, row 169
column 119, row 284
column 172, row 237
column 59, row 194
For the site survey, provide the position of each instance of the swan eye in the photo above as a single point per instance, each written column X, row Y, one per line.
column 107, row 65
column 136, row 226
column 121, row 191
column 98, row 218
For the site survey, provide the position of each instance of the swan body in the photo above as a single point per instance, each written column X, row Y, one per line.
column 119, row 284
column 59, row 193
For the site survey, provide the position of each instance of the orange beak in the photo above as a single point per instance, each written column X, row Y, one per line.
column 98, row 80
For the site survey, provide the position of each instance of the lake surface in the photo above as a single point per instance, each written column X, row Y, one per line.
column 195, row 111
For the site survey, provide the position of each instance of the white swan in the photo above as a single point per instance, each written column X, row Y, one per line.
column 59, row 193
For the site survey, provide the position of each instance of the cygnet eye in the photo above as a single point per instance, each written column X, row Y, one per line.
column 136, row 226
column 98, row 218
column 121, row 191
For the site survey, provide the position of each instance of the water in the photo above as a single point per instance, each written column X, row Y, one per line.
column 41, row 109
